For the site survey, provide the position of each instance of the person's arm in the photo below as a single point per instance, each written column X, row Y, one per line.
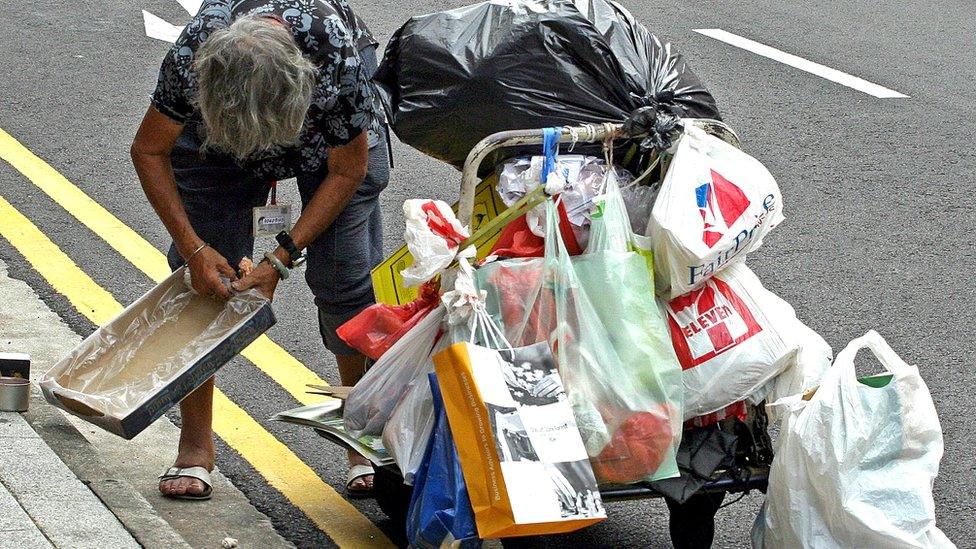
column 150, row 153
column 347, row 169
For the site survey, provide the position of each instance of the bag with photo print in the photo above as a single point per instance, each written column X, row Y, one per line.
column 628, row 414
column 524, row 463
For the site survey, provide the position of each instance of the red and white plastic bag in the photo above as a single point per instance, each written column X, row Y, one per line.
column 715, row 206
column 433, row 234
column 732, row 337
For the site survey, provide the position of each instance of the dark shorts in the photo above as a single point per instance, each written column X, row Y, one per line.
column 219, row 196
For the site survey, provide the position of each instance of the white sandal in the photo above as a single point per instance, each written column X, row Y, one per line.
column 198, row 473
column 357, row 472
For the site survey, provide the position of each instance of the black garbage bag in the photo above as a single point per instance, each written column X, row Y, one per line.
column 452, row 78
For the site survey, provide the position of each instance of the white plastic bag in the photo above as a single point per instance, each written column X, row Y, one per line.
column 409, row 427
column 804, row 371
column 432, row 234
column 732, row 336
column 715, row 206
column 408, row 430
column 372, row 400
column 856, row 463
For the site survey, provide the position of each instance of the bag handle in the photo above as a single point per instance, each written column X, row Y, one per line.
column 879, row 347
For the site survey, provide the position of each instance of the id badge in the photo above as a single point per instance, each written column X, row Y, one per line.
column 271, row 220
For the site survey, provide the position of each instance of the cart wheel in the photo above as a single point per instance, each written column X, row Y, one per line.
column 392, row 495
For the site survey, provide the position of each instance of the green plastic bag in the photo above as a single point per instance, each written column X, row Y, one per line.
column 628, row 414
column 619, row 274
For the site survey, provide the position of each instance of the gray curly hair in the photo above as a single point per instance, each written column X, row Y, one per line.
column 254, row 87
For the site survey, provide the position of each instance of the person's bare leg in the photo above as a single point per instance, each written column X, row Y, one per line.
column 196, row 440
column 351, row 369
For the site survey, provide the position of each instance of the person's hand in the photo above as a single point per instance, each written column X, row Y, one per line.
column 206, row 268
column 264, row 277
column 548, row 386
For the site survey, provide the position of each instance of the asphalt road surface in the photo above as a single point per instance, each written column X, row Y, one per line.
column 878, row 194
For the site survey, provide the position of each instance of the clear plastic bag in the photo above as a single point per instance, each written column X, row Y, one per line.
column 148, row 346
column 640, row 201
column 372, row 400
column 624, row 414
column 408, row 430
column 623, row 285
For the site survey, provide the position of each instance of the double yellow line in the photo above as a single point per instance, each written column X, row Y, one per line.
column 279, row 466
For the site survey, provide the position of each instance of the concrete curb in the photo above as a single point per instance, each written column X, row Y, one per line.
column 131, row 508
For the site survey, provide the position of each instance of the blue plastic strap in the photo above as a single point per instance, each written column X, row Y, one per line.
column 550, row 148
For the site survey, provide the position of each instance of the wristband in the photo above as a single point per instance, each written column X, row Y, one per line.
column 285, row 241
column 278, row 265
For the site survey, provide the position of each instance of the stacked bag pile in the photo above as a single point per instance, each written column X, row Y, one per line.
column 734, row 338
column 637, row 318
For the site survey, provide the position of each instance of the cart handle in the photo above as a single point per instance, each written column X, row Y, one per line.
column 589, row 133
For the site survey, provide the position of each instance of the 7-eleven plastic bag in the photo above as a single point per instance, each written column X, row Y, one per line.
column 715, row 206
column 622, row 409
column 732, row 336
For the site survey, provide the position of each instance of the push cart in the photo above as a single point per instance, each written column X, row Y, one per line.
column 753, row 455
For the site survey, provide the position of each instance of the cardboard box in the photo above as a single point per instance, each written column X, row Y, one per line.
column 157, row 351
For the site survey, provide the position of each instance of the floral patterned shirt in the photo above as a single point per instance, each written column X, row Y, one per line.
column 343, row 105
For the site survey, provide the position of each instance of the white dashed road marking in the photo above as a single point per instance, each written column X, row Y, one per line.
column 160, row 29
column 822, row 71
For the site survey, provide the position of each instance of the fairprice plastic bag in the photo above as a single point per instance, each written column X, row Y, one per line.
column 372, row 400
column 732, row 336
column 452, row 78
column 856, row 463
column 433, row 234
column 440, row 513
column 715, row 206
column 622, row 408
column 374, row 330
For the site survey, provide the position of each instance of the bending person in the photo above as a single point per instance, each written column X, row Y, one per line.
column 252, row 92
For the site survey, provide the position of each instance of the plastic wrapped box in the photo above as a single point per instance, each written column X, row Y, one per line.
column 158, row 350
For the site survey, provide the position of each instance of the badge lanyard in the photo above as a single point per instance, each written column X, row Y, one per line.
column 272, row 219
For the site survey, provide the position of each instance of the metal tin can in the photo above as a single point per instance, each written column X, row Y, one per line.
column 14, row 394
